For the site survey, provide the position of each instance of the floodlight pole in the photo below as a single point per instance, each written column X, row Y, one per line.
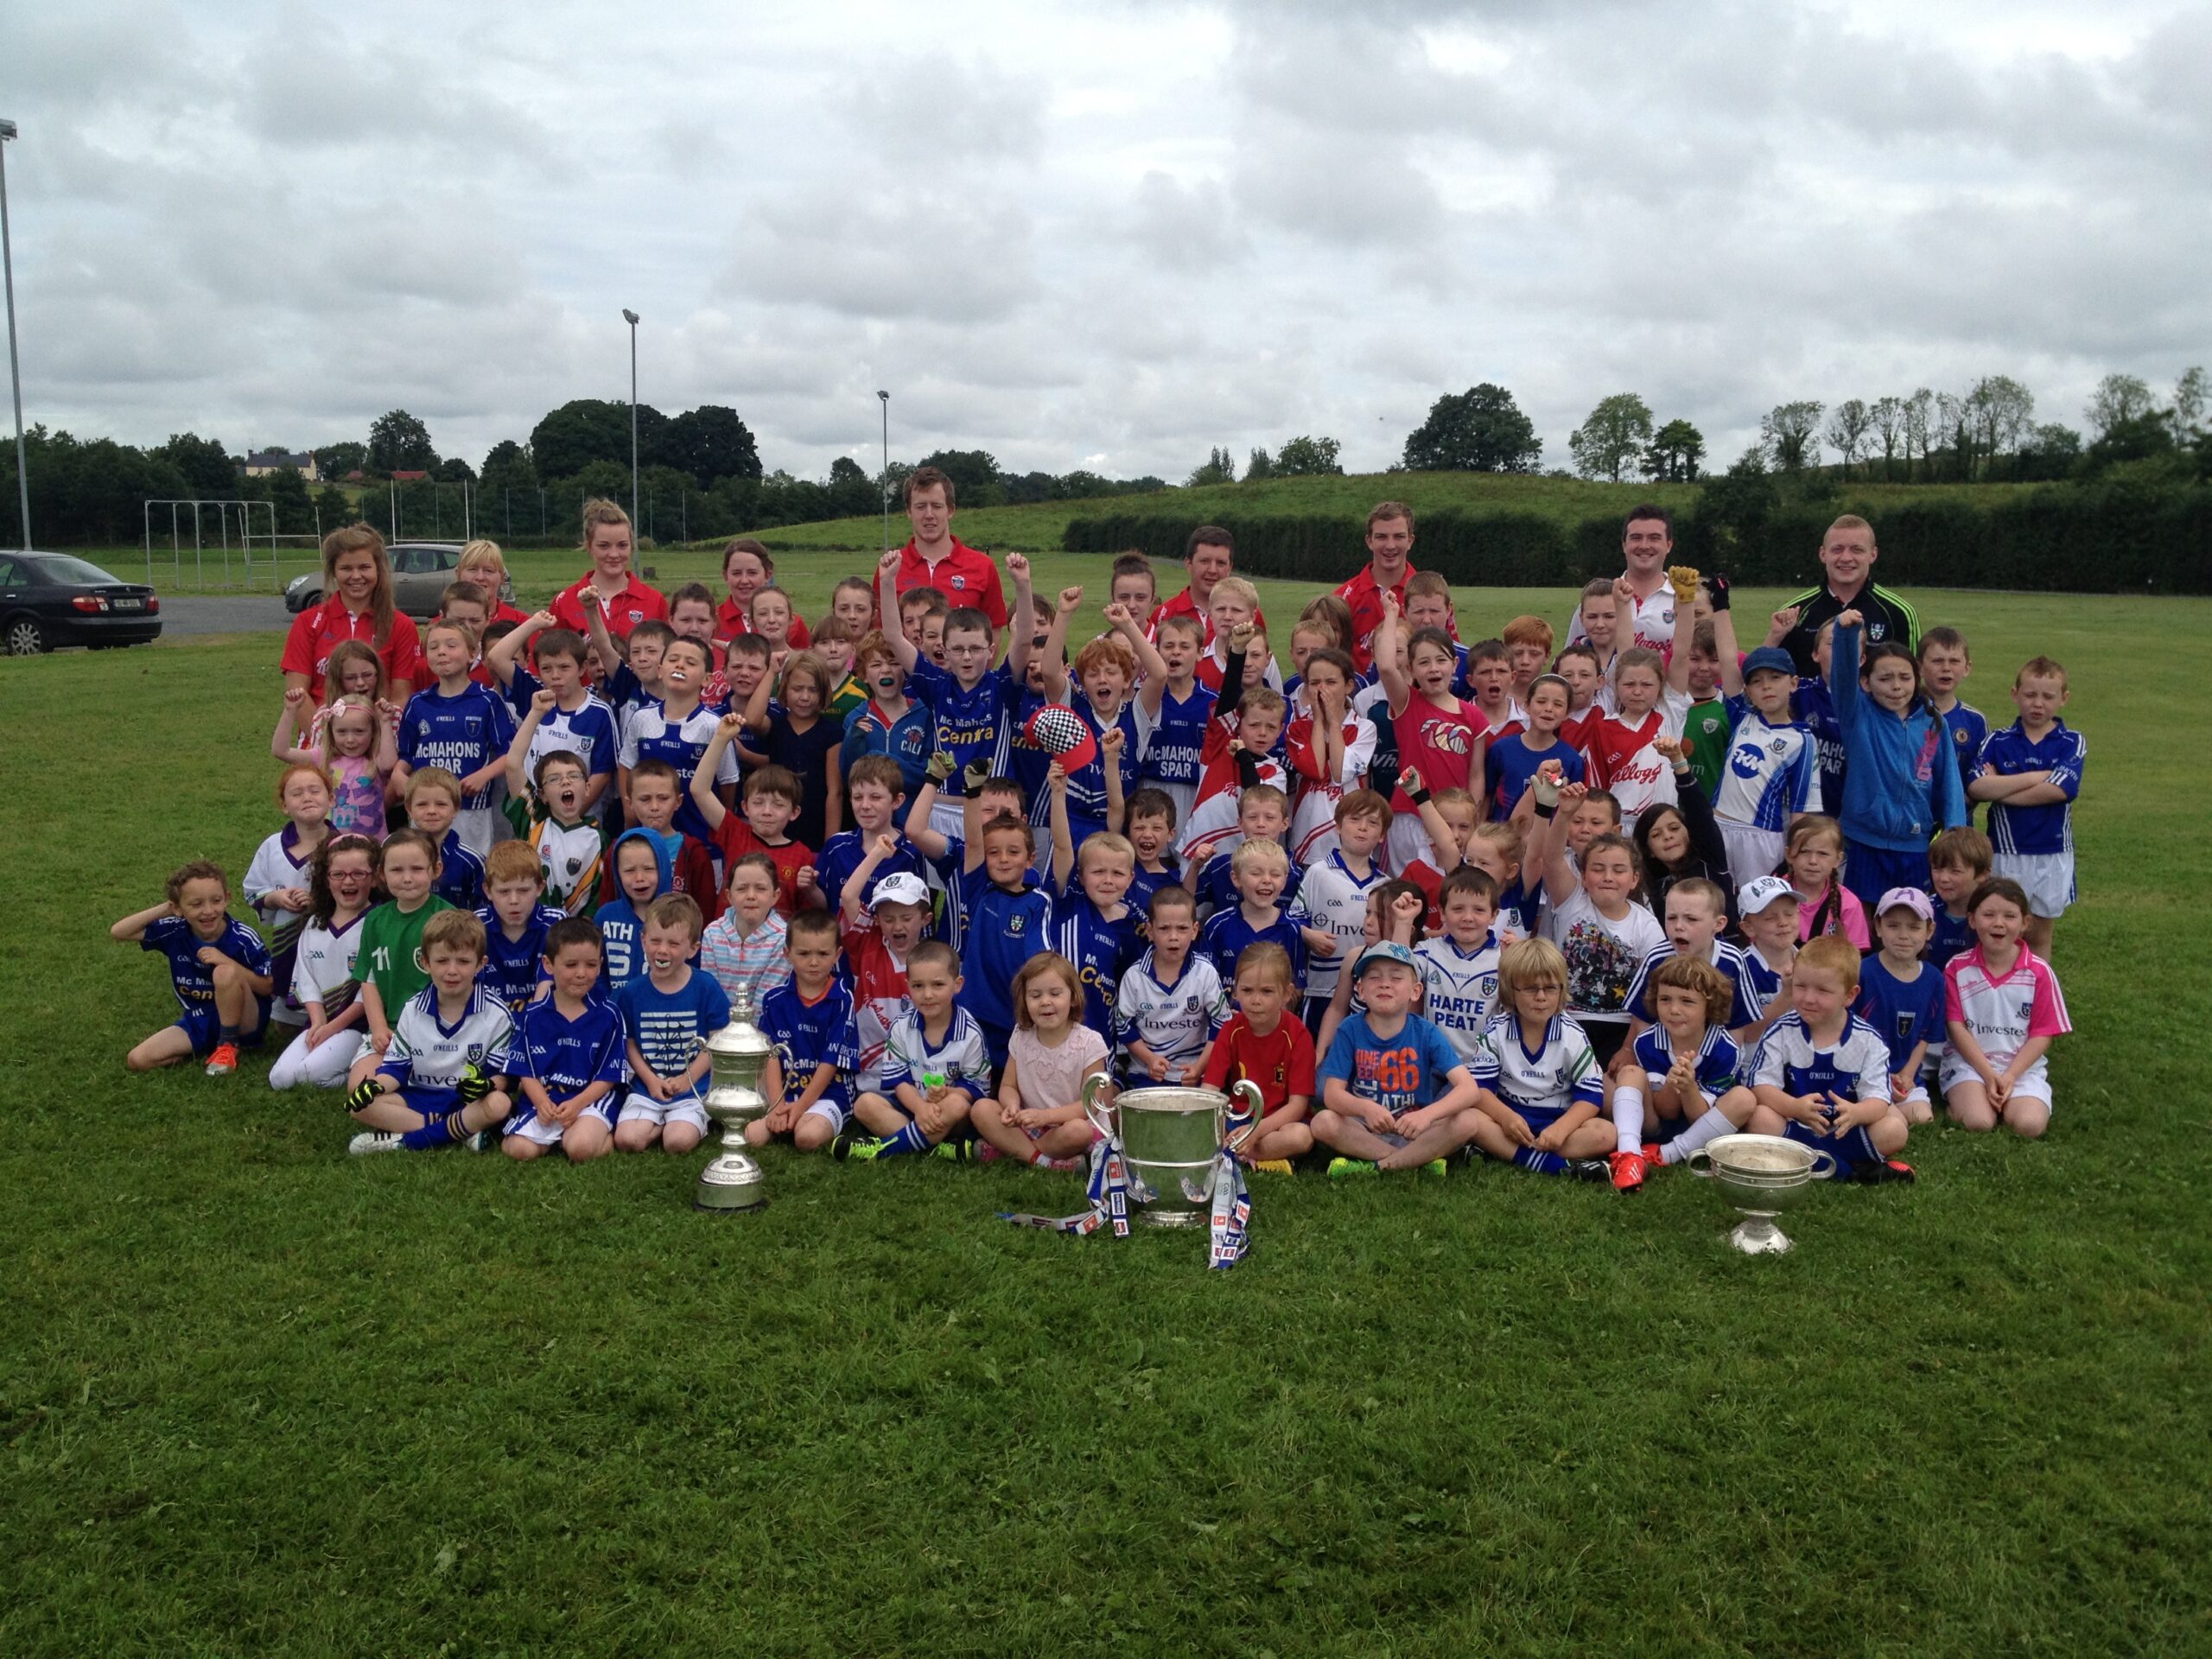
column 883, row 478
column 14, row 369
column 631, row 317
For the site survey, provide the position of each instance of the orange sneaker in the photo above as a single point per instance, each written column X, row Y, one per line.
column 1628, row 1171
column 223, row 1061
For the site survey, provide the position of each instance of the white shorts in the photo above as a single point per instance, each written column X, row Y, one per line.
column 638, row 1107
column 1408, row 843
column 2048, row 879
column 948, row 818
column 2034, row 1083
column 534, row 1128
column 1752, row 853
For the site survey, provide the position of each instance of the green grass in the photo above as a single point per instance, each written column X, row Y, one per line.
column 258, row 1397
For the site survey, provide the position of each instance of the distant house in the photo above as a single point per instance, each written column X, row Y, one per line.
column 281, row 461
column 408, row 475
column 355, row 476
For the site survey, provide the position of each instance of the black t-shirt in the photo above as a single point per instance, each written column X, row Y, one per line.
column 1888, row 617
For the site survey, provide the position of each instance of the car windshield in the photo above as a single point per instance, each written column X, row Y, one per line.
column 59, row 567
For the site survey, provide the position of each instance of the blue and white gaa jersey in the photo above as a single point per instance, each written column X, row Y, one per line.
column 1331, row 899
column 1728, row 958
column 1169, row 744
column 567, row 1056
column 514, row 968
column 192, row 980
column 1718, row 1064
column 1460, row 990
column 2032, row 829
column 1559, row 1071
column 463, row 733
column 1770, row 771
column 962, row 1059
column 429, row 1057
column 1856, row 1067
column 589, row 731
column 323, row 971
column 1175, row 1021
column 1760, row 982
column 651, row 735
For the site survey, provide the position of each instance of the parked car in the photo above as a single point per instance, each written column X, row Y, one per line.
column 420, row 572
column 55, row 598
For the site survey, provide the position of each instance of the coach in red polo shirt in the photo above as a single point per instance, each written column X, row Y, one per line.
column 931, row 558
column 1209, row 553
column 357, row 604
column 624, row 602
column 1390, row 547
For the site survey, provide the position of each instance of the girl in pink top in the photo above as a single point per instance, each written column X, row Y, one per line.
column 1811, row 856
column 1037, row 1116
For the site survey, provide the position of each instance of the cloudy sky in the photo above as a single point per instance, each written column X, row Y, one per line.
column 1108, row 236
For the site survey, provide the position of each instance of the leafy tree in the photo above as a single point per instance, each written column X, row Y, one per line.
column 1305, row 457
column 1259, row 465
column 1888, row 418
column 1848, row 426
column 974, row 472
column 1081, row 485
column 586, row 429
column 2001, row 410
column 1791, row 433
column 287, row 491
column 508, row 472
column 398, row 441
column 2118, row 398
column 2189, row 397
column 1481, row 429
column 454, row 470
column 334, row 460
column 1920, row 430
column 2133, row 438
column 1616, row 433
column 1024, row 488
column 1220, row 467
column 852, row 492
column 1674, row 453
column 331, row 508
column 2047, row 452
column 207, row 466
column 709, row 443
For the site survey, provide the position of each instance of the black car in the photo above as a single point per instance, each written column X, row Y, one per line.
column 51, row 599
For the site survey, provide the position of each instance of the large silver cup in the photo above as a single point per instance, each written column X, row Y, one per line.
column 1170, row 1138
column 738, row 1054
column 1762, row 1176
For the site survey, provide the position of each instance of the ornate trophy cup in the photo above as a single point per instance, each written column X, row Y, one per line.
column 1171, row 1138
column 739, row 1051
column 1761, row 1175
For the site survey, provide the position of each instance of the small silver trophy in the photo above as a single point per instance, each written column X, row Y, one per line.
column 740, row 1052
column 1761, row 1175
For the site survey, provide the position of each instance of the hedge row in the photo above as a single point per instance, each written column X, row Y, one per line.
column 2064, row 539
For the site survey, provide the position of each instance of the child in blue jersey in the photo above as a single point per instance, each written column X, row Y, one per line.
column 1262, row 814
column 1901, row 785
column 434, row 1086
column 433, row 796
column 890, row 724
column 809, row 1017
column 994, row 798
column 1092, row 926
column 641, row 876
column 1772, row 764
column 970, row 704
column 2030, row 774
column 668, row 1013
column 567, row 1055
column 1171, row 1002
column 1696, row 916
column 1901, row 997
column 875, row 790
column 1394, row 1093
column 1174, row 706
column 1813, row 707
column 1769, row 908
column 629, row 676
column 1259, row 869
column 1509, row 763
column 1102, row 672
column 1685, row 1084
column 935, row 1068
column 1541, row 1085
column 1958, row 862
column 515, row 925
column 219, row 969
column 1822, row 1075
column 1149, row 816
column 677, row 730
column 461, row 727
column 570, row 718
column 1944, row 665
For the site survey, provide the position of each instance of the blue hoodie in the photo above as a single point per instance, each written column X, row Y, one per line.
column 619, row 925
column 1900, row 785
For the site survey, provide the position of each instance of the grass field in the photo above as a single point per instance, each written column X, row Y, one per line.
column 259, row 1397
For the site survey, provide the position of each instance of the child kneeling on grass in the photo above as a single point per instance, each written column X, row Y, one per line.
column 1394, row 1093
column 219, row 969
column 433, row 1087
column 568, row 1054
column 1822, row 1074
column 2002, row 1006
column 1541, row 1086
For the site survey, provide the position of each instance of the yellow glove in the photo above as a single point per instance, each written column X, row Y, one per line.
column 1682, row 578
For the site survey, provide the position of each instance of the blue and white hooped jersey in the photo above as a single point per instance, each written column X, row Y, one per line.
column 1856, row 1067
column 1561, row 1070
column 463, row 733
column 1717, row 1065
column 567, row 1056
column 2028, row 831
column 1460, row 990
column 427, row 1054
column 1728, row 958
column 1770, row 771
column 1174, row 1021
column 968, row 722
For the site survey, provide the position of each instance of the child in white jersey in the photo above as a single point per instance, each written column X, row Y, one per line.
column 340, row 886
column 1459, row 969
column 935, row 1066
column 433, row 1087
column 1773, row 763
column 1170, row 1003
column 1333, row 893
column 1595, row 920
column 2002, row 1007
column 276, row 880
column 1539, row 1079
column 1684, row 1083
column 1822, row 1074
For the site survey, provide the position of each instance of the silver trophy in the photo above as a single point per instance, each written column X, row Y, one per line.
column 1170, row 1138
column 740, row 1052
column 1761, row 1175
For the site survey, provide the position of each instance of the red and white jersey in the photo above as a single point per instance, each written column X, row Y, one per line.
column 1362, row 596
column 2003, row 1013
column 1621, row 758
column 1213, row 815
column 1651, row 626
column 878, row 978
column 1313, row 823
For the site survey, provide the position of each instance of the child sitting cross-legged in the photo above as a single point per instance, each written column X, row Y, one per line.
column 1541, row 1085
column 2003, row 1007
column 935, row 1065
column 567, row 1056
column 218, row 969
column 1683, row 1084
column 1037, row 1116
column 1394, row 1093
column 434, row 1085
column 1822, row 1074
column 809, row 1019
column 1262, row 1046
column 1901, row 995
column 668, row 1013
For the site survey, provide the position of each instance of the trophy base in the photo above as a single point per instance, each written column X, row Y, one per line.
column 1156, row 1218
column 1757, row 1234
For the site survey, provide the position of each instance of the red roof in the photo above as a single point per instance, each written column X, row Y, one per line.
column 403, row 475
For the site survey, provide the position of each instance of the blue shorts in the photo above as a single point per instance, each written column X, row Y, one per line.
column 1847, row 1155
column 202, row 1024
column 1869, row 871
column 1538, row 1118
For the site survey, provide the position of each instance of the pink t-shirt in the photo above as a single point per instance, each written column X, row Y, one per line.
column 1051, row 1078
column 2004, row 1012
column 357, row 808
column 1850, row 917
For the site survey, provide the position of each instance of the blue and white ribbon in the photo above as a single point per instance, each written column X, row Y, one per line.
column 1231, row 1212
column 1109, row 1190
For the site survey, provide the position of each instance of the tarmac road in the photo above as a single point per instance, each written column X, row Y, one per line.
column 187, row 614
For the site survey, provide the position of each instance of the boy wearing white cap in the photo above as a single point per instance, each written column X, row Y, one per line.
column 1394, row 1093
column 874, row 967
column 1768, row 907
column 1901, row 997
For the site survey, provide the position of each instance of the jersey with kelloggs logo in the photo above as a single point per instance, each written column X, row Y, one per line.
column 2001, row 1013
column 1621, row 758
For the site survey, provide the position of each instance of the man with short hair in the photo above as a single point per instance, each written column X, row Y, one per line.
column 1847, row 556
column 934, row 559
column 1647, row 603
column 1389, row 550
column 1209, row 553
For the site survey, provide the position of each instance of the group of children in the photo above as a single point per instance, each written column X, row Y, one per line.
column 1580, row 911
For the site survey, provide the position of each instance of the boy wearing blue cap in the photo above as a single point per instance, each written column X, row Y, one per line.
column 1773, row 761
column 1395, row 1094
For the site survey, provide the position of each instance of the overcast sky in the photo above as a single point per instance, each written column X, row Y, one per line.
column 1106, row 235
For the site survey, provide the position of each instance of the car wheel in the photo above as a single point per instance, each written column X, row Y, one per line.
column 26, row 636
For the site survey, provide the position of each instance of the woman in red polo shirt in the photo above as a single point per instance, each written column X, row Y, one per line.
column 356, row 604
column 747, row 568
column 623, row 600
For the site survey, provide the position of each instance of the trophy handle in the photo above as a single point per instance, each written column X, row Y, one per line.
column 1817, row 1173
column 1099, row 1116
column 1700, row 1163
column 1248, row 1091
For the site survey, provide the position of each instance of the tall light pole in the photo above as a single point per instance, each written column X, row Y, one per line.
column 15, row 370
column 631, row 317
column 883, row 480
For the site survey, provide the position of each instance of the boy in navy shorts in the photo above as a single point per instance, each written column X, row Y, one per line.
column 219, row 969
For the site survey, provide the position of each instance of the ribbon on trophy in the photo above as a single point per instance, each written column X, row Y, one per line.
column 1230, row 1212
column 1110, row 1192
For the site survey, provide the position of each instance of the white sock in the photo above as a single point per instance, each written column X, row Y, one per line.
column 1628, row 1119
column 1709, row 1127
